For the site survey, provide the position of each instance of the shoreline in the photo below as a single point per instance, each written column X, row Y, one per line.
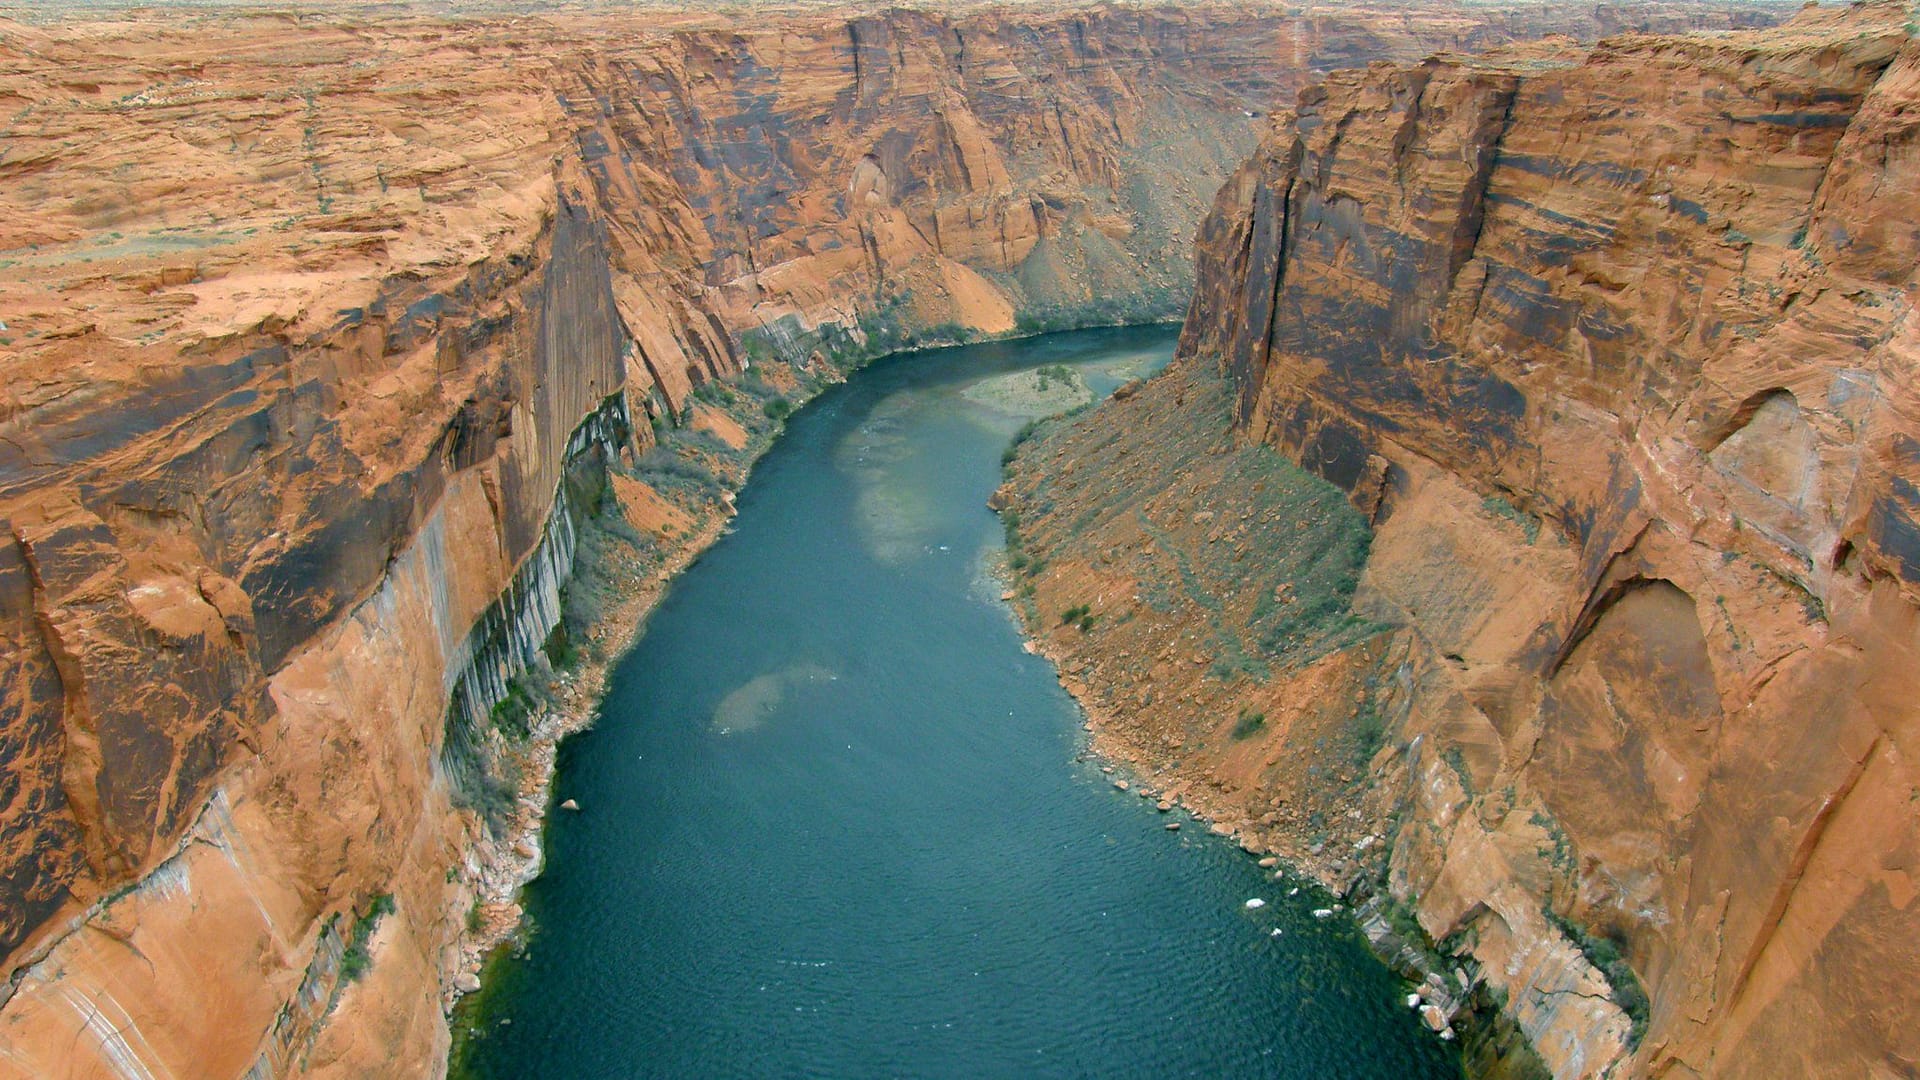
column 1169, row 739
column 501, row 867
column 1455, row 1017
column 1147, row 779
column 498, row 869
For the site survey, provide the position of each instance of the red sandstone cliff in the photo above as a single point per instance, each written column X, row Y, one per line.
column 306, row 315
column 1615, row 349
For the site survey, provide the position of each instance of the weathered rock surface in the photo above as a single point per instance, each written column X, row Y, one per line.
column 305, row 318
column 1615, row 349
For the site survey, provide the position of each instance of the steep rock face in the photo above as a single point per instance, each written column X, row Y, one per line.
column 1616, row 348
column 305, row 320
column 817, row 186
column 346, row 609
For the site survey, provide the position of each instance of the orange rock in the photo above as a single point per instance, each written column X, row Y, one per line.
column 300, row 317
column 1615, row 348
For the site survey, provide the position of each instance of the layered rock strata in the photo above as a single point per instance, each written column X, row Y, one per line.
column 310, row 322
column 1614, row 350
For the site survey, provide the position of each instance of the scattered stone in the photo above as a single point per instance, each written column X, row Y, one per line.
column 569, row 805
column 467, row 982
column 1255, row 904
column 1435, row 1019
column 1322, row 913
column 1269, row 862
column 1163, row 806
column 1120, row 784
column 1275, row 932
column 1173, row 826
column 1295, row 891
column 1220, row 828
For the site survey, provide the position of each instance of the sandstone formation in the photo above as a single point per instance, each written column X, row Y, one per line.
column 1614, row 350
column 320, row 334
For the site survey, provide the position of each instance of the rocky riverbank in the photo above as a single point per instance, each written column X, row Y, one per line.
column 1586, row 641
column 298, row 317
column 1195, row 596
column 661, row 510
column 499, row 866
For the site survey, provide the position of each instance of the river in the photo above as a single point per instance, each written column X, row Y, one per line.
column 836, row 822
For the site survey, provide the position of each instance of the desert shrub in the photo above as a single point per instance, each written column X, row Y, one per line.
column 1603, row 952
column 355, row 960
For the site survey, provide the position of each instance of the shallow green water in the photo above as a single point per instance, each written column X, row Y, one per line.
column 836, row 822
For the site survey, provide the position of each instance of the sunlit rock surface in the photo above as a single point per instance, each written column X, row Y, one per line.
column 1614, row 349
column 303, row 319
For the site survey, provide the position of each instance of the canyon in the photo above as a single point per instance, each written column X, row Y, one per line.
column 1538, row 471
column 330, row 337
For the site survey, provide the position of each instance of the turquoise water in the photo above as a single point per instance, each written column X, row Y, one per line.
column 836, row 823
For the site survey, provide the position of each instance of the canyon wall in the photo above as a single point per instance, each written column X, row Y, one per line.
column 1613, row 349
column 308, row 323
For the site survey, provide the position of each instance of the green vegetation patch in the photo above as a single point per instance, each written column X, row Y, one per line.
column 526, row 696
column 1047, row 377
column 1367, row 730
column 355, row 960
column 1604, row 953
column 887, row 329
column 1264, row 554
column 606, row 547
column 1499, row 507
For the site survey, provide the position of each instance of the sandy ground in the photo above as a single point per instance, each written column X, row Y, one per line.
column 1032, row 394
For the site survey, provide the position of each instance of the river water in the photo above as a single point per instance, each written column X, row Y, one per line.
column 837, row 823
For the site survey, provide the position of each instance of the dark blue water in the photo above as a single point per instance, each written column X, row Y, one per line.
column 835, row 824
